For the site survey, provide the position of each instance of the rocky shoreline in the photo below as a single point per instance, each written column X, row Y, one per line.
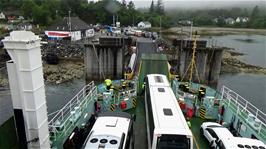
column 64, row 71
column 232, row 64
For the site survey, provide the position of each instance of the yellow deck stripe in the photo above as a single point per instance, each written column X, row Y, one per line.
column 139, row 67
column 197, row 145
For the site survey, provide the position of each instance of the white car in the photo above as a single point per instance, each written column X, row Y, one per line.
column 215, row 132
column 221, row 138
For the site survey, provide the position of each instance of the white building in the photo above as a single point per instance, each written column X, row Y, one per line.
column 24, row 26
column 242, row 19
column 2, row 16
column 144, row 24
column 238, row 20
column 230, row 21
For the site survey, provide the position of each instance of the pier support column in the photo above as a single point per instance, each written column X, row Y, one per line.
column 216, row 67
column 182, row 62
column 101, row 69
column 105, row 64
column 27, row 89
column 119, row 63
column 110, row 62
column 88, row 60
column 201, row 65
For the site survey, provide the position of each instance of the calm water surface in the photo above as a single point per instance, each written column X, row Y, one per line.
column 253, row 46
column 249, row 86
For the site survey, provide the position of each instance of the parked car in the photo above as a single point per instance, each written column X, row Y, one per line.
column 138, row 33
column 154, row 35
column 214, row 132
column 220, row 137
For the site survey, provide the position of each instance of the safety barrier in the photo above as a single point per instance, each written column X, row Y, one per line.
column 63, row 120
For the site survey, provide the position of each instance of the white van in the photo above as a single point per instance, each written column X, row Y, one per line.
column 240, row 143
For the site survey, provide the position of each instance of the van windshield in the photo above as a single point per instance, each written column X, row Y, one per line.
column 173, row 142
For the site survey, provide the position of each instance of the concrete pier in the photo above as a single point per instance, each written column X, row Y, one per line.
column 208, row 61
column 105, row 59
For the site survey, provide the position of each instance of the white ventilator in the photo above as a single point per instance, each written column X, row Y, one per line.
column 27, row 88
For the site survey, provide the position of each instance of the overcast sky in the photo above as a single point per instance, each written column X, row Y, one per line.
column 200, row 3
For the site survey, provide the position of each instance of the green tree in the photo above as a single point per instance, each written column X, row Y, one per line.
column 124, row 3
column 131, row 5
column 160, row 7
column 152, row 7
column 27, row 8
column 255, row 13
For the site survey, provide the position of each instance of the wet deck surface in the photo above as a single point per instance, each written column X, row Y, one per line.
column 140, row 126
column 140, row 129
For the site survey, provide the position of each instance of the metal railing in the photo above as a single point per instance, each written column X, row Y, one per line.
column 243, row 106
column 62, row 120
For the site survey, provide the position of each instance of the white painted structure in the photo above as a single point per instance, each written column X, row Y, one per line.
column 2, row 15
column 89, row 33
column 75, row 35
column 132, row 61
column 27, row 86
column 164, row 118
column 144, row 24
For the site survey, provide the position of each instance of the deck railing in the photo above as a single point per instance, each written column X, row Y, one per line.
column 62, row 120
column 243, row 106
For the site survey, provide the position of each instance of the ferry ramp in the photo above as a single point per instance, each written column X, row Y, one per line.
column 152, row 64
column 144, row 46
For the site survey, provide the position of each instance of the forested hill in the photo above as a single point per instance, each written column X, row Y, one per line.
column 45, row 12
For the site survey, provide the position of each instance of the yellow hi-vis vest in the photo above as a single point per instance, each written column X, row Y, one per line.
column 108, row 82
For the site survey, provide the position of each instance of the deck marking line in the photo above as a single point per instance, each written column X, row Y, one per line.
column 197, row 145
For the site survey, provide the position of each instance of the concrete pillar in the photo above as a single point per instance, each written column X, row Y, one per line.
column 105, row 59
column 208, row 66
column 216, row 67
column 119, row 63
column 95, row 64
column 88, row 58
column 28, row 95
column 101, row 59
column 201, row 63
column 110, row 62
column 182, row 62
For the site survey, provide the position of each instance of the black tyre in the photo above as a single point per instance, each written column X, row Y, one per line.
column 201, row 131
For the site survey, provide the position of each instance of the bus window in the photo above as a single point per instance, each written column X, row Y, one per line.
column 173, row 142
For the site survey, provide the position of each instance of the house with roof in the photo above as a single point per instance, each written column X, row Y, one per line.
column 144, row 24
column 11, row 15
column 24, row 26
column 73, row 28
column 242, row 19
column 2, row 16
column 230, row 21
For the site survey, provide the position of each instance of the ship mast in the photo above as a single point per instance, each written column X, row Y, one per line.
column 192, row 65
